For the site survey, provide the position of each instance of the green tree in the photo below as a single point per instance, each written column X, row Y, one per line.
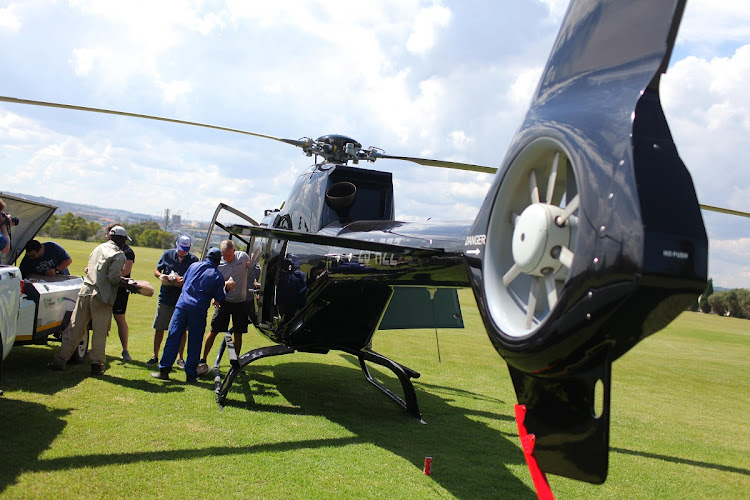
column 93, row 228
column 718, row 304
column 136, row 230
column 743, row 300
column 155, row 238
column 704, row 304
column 70, row 226
column 52, row 227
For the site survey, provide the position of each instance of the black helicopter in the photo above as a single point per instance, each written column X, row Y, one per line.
column 578, row 252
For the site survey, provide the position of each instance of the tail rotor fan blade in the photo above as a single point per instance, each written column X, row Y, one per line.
column 552, row 177
column 533, row 187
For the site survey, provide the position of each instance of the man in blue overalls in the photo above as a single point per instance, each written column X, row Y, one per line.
column 203, row 283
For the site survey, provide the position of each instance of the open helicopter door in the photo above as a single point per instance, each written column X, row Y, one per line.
column 247, row 243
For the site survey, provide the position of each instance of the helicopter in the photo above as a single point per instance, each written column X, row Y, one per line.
column 577, row 254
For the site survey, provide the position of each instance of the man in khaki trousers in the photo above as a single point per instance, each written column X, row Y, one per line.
column 95, row 301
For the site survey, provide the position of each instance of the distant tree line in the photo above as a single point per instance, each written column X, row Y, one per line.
column 70, row 226
column 148, row 234
column 734, row 303
column 75, row 227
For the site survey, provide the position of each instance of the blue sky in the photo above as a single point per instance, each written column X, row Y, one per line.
column 440, row 79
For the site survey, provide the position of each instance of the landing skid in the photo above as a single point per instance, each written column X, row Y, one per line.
column 404, row 374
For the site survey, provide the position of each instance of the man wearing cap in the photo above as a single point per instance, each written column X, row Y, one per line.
column 120, row 306
column 170, row 270
column 94, row 303
column 203, row 283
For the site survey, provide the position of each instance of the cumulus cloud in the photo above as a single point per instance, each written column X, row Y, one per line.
column 9, row 20
column 423, row 35
column 714, row 127
column 438, row 79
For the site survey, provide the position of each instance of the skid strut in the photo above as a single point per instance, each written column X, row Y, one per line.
column 404, row 373
column 239, row 364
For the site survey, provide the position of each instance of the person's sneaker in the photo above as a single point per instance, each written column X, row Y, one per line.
column 202, row 369
column 160, row 375
column 151, row 362
column 191, row 380
column 55, row 366
column 126, row 356
column 181, row 363
column 97, row 369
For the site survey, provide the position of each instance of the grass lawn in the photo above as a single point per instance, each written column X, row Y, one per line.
column 310, row 426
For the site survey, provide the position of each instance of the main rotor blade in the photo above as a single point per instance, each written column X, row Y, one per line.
column 14, row 100
column 442, row 163
column 725, row 210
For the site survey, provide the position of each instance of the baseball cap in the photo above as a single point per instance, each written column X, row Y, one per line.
column 214, row 254
column 119, row 231
column 183, row 243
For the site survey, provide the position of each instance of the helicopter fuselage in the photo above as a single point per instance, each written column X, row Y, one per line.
column 316, row 296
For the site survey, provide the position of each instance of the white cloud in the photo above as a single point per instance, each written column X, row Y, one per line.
column 436, row 79
column 713, row 129
column 522, row 89
column 459, row 139
column 84, row 60
column 729, row 266
column 557, row 9
column 175, row 89
column 710, row 22
column 9, row 20
column 424, row 32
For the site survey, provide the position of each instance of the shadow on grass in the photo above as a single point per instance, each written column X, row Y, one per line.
column 25, row 369
column 468, row 456
column 27, row 430
column 685, row 461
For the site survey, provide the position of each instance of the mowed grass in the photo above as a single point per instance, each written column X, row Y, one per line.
column 310, row 426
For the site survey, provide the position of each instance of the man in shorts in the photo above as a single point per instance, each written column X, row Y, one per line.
column 203, row 283
column 233, row 267
column 170, row 270
column 121, row 302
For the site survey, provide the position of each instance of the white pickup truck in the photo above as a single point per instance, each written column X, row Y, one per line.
column 36, row 309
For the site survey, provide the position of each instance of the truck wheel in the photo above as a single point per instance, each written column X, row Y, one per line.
column 80, row 352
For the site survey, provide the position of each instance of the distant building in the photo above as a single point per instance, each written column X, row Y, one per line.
column 176, row 220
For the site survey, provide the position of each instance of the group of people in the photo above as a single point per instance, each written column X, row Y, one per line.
column 188, row 287
column 221, row 278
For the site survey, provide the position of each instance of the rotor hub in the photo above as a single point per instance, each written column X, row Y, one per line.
column 537, row 239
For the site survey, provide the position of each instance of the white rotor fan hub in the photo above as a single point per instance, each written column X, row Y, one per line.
column 535, row 238
column 531, row 238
